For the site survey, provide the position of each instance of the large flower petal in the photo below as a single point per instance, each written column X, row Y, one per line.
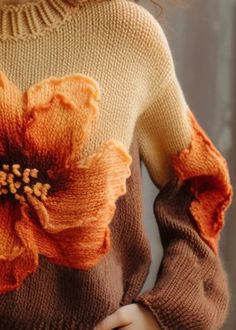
column 17, row 260
column 58, row 119
column 79, row 248
column 207, row 170
column 11, row 106
column 90, row 193
column 72, row 225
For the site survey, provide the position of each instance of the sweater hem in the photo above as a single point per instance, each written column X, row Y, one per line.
column 57, row 324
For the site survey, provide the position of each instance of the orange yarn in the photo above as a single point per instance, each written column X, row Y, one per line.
column 46, row 129
column 208, row 173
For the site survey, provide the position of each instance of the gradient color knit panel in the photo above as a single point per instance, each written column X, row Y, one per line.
column 88, row 90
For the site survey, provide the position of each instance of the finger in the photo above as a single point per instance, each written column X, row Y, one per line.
column 119, row 318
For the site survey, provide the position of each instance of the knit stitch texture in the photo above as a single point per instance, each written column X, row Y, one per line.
column 88, row 90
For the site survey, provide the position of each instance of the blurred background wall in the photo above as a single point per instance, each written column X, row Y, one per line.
column 201, row 35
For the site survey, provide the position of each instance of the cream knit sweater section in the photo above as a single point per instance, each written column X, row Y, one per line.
column 128, row 55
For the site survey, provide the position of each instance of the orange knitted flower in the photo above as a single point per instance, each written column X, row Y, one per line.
column 207, row 171
column 52, row 201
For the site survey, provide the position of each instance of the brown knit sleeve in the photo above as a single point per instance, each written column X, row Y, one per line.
column 191, row 289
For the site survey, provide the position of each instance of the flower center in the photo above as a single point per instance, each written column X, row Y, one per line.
column 18, row 182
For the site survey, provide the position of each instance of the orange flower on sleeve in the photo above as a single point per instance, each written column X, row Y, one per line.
column 204, row 167
column 52, row 201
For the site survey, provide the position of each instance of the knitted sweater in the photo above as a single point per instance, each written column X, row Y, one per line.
column 88, row 91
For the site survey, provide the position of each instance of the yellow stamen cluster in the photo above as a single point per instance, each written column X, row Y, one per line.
column 17, row 182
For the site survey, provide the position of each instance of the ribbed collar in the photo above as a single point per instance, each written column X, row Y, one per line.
column 32, row 18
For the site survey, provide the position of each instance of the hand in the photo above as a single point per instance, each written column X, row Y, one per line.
column 129, row 317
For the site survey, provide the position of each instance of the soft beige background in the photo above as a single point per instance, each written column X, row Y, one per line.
column 202, row 39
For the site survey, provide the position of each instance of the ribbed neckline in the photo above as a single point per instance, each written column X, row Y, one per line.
column 29, row 19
